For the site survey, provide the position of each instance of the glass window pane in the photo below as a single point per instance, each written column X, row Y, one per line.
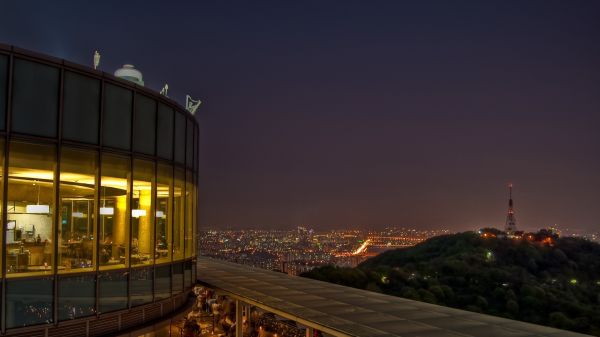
column 194, row 270
column 77, row 229
column 141, row 286
column 116, row 127
column 164, row 137
column 144, row 125
column 3, row 88
column 114, row 216
column 112, row 289
column 29, row 232
column 162, row 283
column 81, row 111
column 195, row 219
column 163, row 213
column 180, row 138
column 142, row 216
column 28, row 302
column 179, row 215
column 187, row 274
column 189, row 155
column 189, row 201
column 35, row 98
column 76, row 297
column 177, row 285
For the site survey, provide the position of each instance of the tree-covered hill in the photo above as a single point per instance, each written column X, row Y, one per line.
column 556, row 285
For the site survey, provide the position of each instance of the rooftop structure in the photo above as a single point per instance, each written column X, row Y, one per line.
column 128, row 72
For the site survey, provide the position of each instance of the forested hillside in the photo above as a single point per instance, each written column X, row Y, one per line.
column 554, row 284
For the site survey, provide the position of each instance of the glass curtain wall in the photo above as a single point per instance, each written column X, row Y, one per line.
column 77, row 225
column 114, row 215
column 72, row 210
column 29, row 232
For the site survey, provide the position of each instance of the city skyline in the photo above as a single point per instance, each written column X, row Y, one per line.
column 329, row 114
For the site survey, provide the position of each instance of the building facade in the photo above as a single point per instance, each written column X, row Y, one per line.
column 98, row 196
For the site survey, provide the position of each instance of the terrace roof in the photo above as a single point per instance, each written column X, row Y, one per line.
column 344, row 311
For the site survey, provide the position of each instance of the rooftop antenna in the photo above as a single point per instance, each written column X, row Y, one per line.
column 511, row 221
column 191, row 105
column 96, row 59
column 164, row 90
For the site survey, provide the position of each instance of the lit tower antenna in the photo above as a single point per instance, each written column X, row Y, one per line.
column 511, row 222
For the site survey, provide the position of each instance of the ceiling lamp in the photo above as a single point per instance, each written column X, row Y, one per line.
column 78, row 215
column 136, row 213
column 107, row 210
column 37, row 209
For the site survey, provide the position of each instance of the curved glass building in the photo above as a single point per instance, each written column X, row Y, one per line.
column 98, row 199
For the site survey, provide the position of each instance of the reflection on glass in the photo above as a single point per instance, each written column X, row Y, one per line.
column 28, row 302
column 179, row 218
column 29, row 228
column 141, row 286
column 162, row 283
column 163, row 213
column 142, row 217
column 112, row 289
column 114, row 218
column 77, row 229
column 187, row 273
column 177, row 285
column 76, row 297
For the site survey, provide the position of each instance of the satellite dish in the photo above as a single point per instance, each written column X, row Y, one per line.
column 191, row 105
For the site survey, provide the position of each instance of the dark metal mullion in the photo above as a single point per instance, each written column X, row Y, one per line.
column 5, row 188
column 57, row 205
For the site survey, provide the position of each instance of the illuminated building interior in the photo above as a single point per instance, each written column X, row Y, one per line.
column 98, row 180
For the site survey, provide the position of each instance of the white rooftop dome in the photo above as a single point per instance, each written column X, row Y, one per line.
column 129, row 73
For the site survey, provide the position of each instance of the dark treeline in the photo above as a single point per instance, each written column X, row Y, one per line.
column 556, row 285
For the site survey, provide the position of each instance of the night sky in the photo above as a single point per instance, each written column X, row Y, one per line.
column 372, row 113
